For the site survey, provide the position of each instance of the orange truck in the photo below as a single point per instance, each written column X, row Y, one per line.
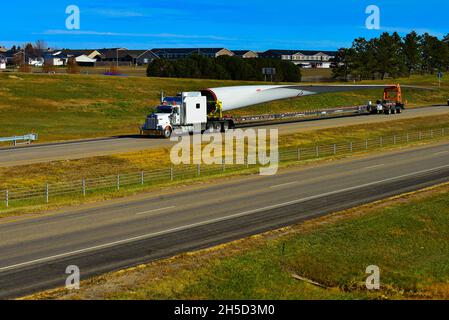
column 391, row 103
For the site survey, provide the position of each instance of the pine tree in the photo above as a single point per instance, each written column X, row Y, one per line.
column 412, row 52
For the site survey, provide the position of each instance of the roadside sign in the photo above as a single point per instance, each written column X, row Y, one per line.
column 269, row 72
column 440, row 76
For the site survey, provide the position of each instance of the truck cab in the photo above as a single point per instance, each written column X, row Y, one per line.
column 181, row 113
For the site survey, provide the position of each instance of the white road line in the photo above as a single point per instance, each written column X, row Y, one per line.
column 283, row 185
column 241, row 214
column 442, row 152
column 376, row 166
column 155, row 210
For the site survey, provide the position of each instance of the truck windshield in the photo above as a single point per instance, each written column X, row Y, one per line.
column 164, row 109
column 173, row 101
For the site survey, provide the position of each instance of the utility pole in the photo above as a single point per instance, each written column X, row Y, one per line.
column 117, row 58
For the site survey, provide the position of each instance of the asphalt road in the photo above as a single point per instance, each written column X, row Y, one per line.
column 77, row 150
column 36, row 251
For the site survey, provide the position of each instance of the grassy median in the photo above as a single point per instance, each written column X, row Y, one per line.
column 407, row 237
column 35, row 176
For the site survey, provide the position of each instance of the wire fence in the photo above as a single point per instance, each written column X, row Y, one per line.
column 44, row 194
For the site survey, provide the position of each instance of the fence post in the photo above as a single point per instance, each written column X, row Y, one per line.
column 408, row 137
column 420, row 135
column 118, row 182
column 366, row 144
column 299, row 154
column 431, row 133
column 142, row 178
column 47, row 193
column 317, row 151
column 84, row 187
column 335, row 149
column 171, row 173
column 351, row 146
column 394, row 139
column 198, row 169
column 381, row 142
column 7, row 198
column 223, row 165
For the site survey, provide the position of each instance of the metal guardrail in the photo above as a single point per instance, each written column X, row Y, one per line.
column 41, row 194
column 16, row 139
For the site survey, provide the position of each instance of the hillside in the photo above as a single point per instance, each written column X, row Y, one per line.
column 63, row 107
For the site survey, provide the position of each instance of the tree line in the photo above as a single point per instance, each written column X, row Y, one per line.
column 223, row 68
column 393, row 56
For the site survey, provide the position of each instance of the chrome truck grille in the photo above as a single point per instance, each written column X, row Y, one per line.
column 151, row 124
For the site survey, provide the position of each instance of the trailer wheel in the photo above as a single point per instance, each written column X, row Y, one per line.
column 167, row 132
column 387, row 111
column 399, row 110
column 225, row 127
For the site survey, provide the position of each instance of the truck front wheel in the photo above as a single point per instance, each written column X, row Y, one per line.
column 167, row 132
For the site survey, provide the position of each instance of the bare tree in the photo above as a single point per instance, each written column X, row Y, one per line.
column 40, row 47
column 72, row 66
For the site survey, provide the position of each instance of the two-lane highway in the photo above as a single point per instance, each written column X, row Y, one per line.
column 34, row 252
column 83, row 149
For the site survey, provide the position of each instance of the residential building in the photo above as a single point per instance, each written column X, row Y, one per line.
column 128, row 57
column 85, row 61
column 181, row 53
column 16, row 57
column 245, row 54
column 56, row 58
column 303, row 58
column 12, row 57
column 2, row 62
column 90, row 53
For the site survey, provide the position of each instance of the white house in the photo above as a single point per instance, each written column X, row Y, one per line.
column 303, row 58
column 36, row 61
column 84, row 60
column 2, row 62
column 56, row 59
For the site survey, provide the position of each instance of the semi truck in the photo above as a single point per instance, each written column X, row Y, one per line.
column 204, row 110
column 391, row 102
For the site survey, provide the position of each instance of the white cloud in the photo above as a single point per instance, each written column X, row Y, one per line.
column 135, row 13
column 142, row 35
column 119, row 13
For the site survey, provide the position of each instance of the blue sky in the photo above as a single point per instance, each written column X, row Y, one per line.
column 245, row 24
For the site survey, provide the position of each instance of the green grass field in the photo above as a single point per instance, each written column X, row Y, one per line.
column 63, row 107
column 406, row 237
